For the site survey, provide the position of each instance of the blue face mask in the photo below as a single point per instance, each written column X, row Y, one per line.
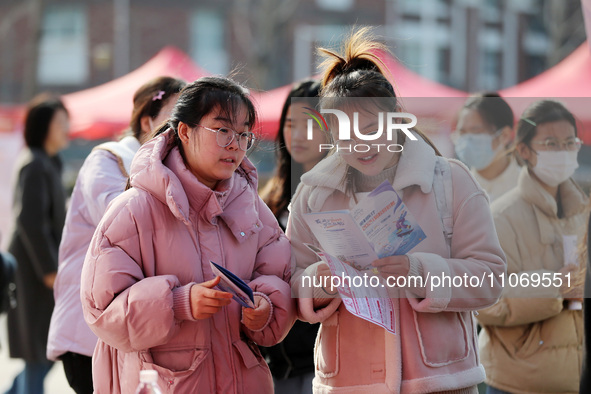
column 476, row 149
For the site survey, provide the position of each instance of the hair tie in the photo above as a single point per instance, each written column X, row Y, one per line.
column 531, row 122
column 158, row 96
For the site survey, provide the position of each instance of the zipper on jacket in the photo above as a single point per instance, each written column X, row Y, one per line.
column 226, row 316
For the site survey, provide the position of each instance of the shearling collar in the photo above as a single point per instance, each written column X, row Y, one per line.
column 416, row 167
column 573, row 199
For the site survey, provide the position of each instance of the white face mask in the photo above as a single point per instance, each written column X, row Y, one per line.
column 476, row 149
column 553, row 168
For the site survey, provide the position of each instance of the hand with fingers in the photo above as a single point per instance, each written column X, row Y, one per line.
column 207, row 301
column 255, row 319
column 49, row 280
column 394, row 266
column 324, row 275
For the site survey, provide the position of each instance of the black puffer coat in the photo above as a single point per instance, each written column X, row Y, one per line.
column 39, row 210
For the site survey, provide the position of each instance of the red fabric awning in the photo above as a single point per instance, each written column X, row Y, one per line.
column 410, row 86
column 569, row 78
column 104, row 111
column 268, row 106
column 11, row 118
column 407, row 83
column 569, row 82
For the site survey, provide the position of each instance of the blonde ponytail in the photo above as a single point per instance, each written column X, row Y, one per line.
column 359, row 72
column 361, row 52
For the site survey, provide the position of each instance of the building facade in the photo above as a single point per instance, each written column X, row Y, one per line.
column 67, row 45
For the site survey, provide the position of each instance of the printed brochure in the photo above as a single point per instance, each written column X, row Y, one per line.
column 379, row 225
column 367, row 302
column 234, row 285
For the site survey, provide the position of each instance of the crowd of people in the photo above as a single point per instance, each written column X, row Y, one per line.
column 123, row 281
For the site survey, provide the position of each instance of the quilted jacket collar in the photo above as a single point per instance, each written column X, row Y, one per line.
column 160, row 170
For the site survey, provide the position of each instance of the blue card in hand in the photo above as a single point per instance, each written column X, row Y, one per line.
column 232, row 284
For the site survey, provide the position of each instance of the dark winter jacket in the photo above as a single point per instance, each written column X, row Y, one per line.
column 39, row 209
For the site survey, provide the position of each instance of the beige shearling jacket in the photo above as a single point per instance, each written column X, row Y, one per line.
column 531, row 341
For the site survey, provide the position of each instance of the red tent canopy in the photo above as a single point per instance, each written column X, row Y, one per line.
column 105, row 110
column 569, row 81
column 11, row 118
column 569, row 78
column 269, row 105
column 411, row 87
column 407, row 83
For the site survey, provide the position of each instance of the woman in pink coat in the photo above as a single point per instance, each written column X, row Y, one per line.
column 147, row 286
column 102, row 178
column 434, row 348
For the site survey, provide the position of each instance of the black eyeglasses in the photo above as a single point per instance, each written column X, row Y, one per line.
column 225, row 135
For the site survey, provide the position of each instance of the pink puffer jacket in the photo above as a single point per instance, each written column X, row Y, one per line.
column 154, row 242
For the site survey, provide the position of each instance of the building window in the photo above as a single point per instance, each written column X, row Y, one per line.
column 326, row 36
column 412, row 7
column 335, row 5
column 491, row 70
column 63, row 48
column 534, row 65
column 491, row 11
column 410, row 55
column 207, row 42
column 535, row 24
column 443, row 64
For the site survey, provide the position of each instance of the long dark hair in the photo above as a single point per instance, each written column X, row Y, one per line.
column 359, row 72
column 278, row 191
column 149, row 99
column 40, row 112
column 204, row 95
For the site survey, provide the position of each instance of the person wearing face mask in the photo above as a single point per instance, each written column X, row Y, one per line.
column 484, row 132
column 538, row 223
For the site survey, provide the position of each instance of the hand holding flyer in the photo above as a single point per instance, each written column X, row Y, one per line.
column 232, row 284
column 380, row 225
column 369, row 303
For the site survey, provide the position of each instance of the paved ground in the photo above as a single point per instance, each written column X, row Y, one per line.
column 55, row 382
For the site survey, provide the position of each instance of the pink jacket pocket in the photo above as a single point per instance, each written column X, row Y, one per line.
column 443, row 337
column 173, row 363
column 251, row 356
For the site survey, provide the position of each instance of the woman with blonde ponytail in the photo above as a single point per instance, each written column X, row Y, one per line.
column 435, row 346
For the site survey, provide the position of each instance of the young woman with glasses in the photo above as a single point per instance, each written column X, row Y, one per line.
column 148, row 291
column 532, row 338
